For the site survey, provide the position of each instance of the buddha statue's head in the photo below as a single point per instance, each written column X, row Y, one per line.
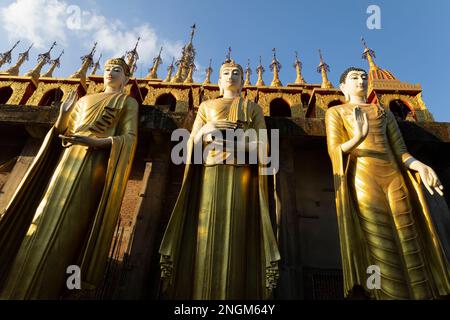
column 231, row 77
column 353, row 82
column 117, row 74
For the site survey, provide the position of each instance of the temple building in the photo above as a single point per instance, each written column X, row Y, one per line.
column 308, row 233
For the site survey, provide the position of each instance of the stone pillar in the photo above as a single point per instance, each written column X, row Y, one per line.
column 144, row 243
column 24, row 161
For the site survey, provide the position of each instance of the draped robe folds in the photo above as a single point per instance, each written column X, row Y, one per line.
column 66, row 207
column 362, row 235
column 219, row 242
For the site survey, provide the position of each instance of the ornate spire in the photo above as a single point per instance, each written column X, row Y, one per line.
column 324, row 68
column 88, row 62
column 260, row 70
column 156, row 62
column 178, row 78
column 55, row 64
column 14, row 70
column 133, row 57
column 208, row 70
column 187, row 56
column 228, row 56
column 43, row 59
column 6, row 56
column 275, row 67
column 369, row 54
column 169, row 71
column 189, row 78
column 374, row 71
column 298, row 70
column 192, row 33
column 248, row 73
column 96, row 66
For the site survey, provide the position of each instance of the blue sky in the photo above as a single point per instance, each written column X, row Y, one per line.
column 413, row 42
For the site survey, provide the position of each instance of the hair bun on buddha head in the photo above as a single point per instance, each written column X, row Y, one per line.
column 120, row 62
column 230, row 63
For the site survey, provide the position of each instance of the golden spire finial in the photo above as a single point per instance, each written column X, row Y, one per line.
column 192, row 33
column 208, row 70
column 133, row 57
column 43, row 59
column 88, row 62
column 260, row 70
column 323, row 68
column 275, row 67
column 248, row 73
column 156, row 62
column 14, row 70
column 169, row 71
column 369, row 54
column 6, row 56
column 178, row 78
column 189, row 78
column 298, row 70
column 54, row 64
column 96, row 66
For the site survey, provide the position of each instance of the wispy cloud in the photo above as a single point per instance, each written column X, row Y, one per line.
column 67, row 24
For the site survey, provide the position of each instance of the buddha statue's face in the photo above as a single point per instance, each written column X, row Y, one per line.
column 230, row 79
column 114, row 76
column 355, row 84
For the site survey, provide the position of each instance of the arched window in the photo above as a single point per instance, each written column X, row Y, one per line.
column 5, row 94
column 401, row 110
column 334, row 103
column 305, row 100
column 51, row 97
column 279, row 108
column 144, row 92
column 168, row 100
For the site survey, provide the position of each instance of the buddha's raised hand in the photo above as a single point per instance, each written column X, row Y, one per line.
column 360, row 123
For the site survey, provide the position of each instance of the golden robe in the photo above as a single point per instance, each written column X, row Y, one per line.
column 219, row 242
column 383, row 217
column 66, row 208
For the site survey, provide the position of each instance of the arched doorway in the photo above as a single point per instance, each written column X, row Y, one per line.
column 168, row 100
column 305, row 100
column 401, row 110
column 334, row 103
column 51, row 97
column 280, row 108
column 5, row 94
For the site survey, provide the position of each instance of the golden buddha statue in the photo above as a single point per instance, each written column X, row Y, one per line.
column 219, row 242
column 65, row 210
column 382, row 213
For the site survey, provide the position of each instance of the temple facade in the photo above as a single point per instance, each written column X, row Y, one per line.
column 308, row 233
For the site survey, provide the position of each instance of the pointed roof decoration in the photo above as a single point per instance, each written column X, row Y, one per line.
column 248, row 73
column 88, row 62
column 275, row 67
column 323, row 68
column 374, row 71
column 260, row 70
column 208, row 70
column 42, row 59
column 6, row 56
column 132, row 58
column 189, row 78
column 54, row 64
column 298, row 69
column 228, row 56
column 96, row 66
column 187, row 55
column 154, row 69
column 24, row 56
column 169, row 71
column 178, row 78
